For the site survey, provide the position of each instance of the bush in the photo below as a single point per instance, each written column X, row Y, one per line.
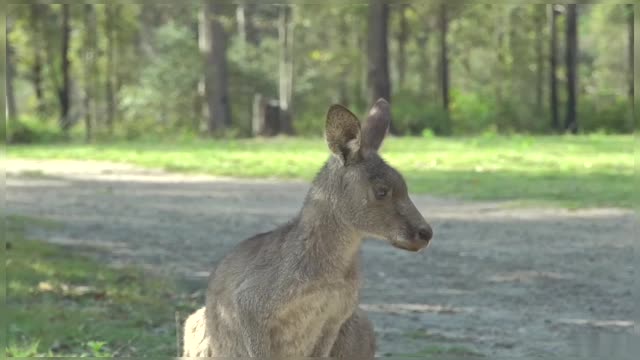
column 411, row 116
column 472, row 113
column 308, row 124
column 31, row 130
column 612, row 116
column 428, row 134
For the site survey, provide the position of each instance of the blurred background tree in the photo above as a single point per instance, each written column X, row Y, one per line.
column 129, row 70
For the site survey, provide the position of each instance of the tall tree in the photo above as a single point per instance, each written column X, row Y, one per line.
column 215, row 84
column 285, row 36
column 571, row 121
column 553, row 77
column 630, row 14
column 253, row 35
column 12, row 110
column 150, row 17
column 64, row 92
column 422, row 43
column 443, row 68
column 90, row 68
column 378, row 51
column 343, row 92
column 402, row 35
column 36, row 69
column 540, row 19
column 503, row 26
column 110, row 81
column 242, row 27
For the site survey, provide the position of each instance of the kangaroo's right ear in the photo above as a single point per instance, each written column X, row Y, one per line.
column 343, row 133
column 376, row 126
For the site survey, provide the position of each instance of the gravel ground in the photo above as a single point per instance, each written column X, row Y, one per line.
column 497, row 280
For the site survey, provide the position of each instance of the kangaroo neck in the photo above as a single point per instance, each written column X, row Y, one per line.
column 323, row 238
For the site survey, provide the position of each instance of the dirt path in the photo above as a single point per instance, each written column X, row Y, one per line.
column 497, row 280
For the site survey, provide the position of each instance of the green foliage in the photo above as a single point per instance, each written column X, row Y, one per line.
column 607, row 116
column 493, row 61
column 472, row 113
column 163, row 100
column 428, row 134
column 411, row 115
column 593, row 170
column 28, row 130
column 308, row 124
column 62, row 304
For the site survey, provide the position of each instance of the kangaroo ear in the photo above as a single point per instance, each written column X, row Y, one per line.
column 343, row 133
column 375, row 129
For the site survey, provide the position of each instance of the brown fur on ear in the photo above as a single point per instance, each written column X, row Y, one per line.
column 342, row 132
column 377, row 125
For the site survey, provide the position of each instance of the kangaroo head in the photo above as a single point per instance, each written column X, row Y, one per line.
column 368, row 194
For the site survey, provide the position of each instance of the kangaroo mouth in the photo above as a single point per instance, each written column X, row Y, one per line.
column 410, row 245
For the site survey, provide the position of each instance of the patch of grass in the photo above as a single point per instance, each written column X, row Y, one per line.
column 441, row 347
column 63, row 304
column 573, row 171
column 443, row 352
column 418, row 335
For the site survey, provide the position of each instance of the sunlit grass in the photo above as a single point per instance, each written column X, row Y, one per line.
column 575, row 171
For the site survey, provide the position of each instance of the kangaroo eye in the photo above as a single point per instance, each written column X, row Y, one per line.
column 382, row 193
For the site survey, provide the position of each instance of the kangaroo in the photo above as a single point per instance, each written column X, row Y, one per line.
column 294, row 291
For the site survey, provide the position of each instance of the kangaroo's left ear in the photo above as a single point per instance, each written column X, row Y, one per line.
column 343, row 133
column 377, row 124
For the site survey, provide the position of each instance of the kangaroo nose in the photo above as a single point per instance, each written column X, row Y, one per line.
column 425, row 234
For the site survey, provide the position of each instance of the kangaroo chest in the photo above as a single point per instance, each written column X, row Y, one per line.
column 312, row 317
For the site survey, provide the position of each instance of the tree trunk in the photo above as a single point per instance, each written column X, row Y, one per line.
column 363, row 65
column 553, row 79
column 247, row 31
column 110, row 73
column 149, row 19
column 378, row 53
column 571, row 122
column 630, row 13
column 36, row 76
column 216, row 90
column 64, row 93
column 265, row 116
column 444, row 60
column 285, row 36
column 249, row 24
column 343, row 92
column 204, row 43
column 402, row 36
column 241, row 22
column 12, row 110
column 499, row 75
column 540, row 18
column 90, row 68
column 422, row 41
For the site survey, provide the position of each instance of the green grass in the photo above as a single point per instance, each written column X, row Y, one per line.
column 443, row 352
column 573, row 171
column 438, row 348
column 60, row 303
